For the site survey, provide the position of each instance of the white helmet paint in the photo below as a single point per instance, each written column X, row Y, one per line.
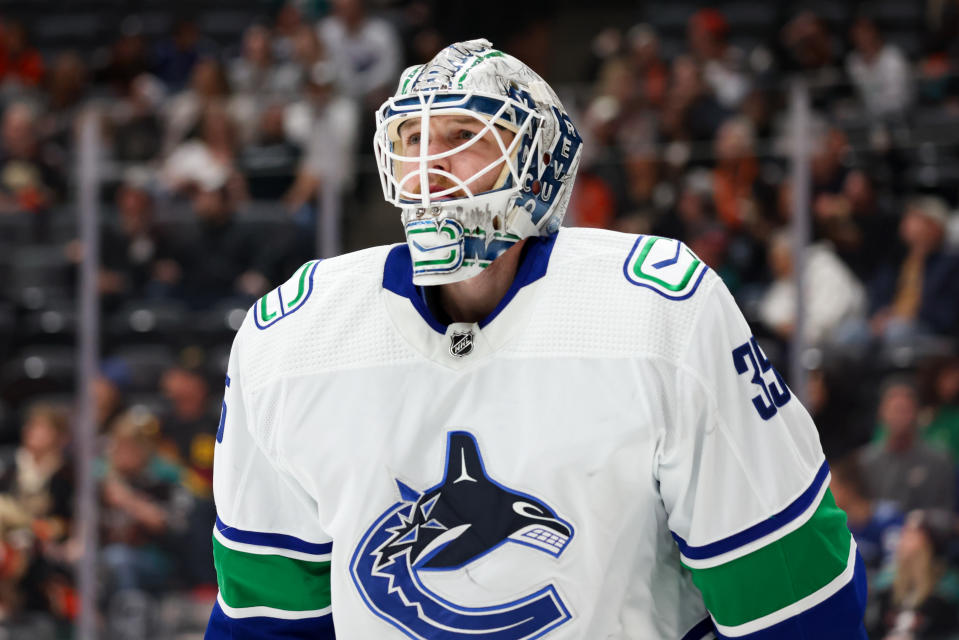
column 454, row 233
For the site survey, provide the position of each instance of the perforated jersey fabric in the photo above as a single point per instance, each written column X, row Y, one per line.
column 608, row 455
column 341, row 326
column 585, row 310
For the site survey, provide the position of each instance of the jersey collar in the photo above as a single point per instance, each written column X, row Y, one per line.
column 398, row 278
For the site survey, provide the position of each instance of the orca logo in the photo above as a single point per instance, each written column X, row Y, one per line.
column 445, row 528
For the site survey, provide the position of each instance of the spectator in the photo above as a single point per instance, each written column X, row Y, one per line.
column 256, row 75
column 617, row 81
column 879, row 71
column 593, row 203
column 943, row 427
column 603, row 161
column 833, row 314
column 136, row 127
column 28, row 181
column 875, row 525
column 365, row 49
column 711, row 244
column 689, row 112
column 270, row 161
column 208, row 86
column 21, row 65
column 901, row 467
column 600, row 194
column 643, row 175
column 175, row 57
column 722, row 64
column 919, row 297
column 855, row 222
column 108, row 390
column 326, row 124
column 137, row 493
column 36, row 485
column 36, row 505
column 222, row 256
column 209, row 159
column 739, row 193
column 418, row 32
column 187, row 437
column 937, row 70
column 836, row 405
column 286, row 29
column 189, row 425
column 652, row 74
column 919, row 605
column 759, row 110
column 127, row 59
column 66, row 87
column 828, row 163
column 810, row 48
column 138, row 259
column 307, row 51
column 604, row 46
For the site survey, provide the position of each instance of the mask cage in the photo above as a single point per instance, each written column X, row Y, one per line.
column 489, row 110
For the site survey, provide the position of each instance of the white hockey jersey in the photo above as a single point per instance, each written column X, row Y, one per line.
column 608, row 455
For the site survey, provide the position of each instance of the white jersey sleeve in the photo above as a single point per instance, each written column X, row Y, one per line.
column 272, row 560
column 744, row 481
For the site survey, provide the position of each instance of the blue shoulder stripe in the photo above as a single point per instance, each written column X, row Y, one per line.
column 795, row 509
column 223, row 627
column 838, row 618
column 278, row 540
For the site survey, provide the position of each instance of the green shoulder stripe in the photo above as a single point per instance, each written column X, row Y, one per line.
column 258, row 580
column 781, row 573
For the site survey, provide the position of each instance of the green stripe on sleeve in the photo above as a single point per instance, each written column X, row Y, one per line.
column 254, row 580
column 781, row 573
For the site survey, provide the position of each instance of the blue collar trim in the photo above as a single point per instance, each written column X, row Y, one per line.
column 398, row 278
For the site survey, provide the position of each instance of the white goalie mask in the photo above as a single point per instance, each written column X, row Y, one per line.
column 501, row 111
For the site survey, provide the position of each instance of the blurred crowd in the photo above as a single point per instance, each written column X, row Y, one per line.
column 218, row 143
column 697, row 146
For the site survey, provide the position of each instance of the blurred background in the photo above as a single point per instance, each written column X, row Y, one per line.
column 807, row 150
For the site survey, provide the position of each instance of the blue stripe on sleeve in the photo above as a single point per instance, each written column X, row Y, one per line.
column 795, row 509
column 838, row 618
column 223, row 627
column 701, row 630
column 278, row 540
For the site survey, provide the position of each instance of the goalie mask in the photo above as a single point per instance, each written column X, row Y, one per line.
column 474, row 108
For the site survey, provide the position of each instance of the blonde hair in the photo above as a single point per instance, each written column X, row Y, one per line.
column 138, row 425
column 54, row 416
column 916, row 579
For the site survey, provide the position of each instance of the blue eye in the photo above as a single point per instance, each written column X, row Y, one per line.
column 413, row 139
column 466, row 134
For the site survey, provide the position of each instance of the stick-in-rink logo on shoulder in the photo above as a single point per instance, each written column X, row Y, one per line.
column 445, row 528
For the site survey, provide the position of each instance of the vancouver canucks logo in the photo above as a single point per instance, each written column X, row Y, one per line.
column 435, row 247
column 445, row 528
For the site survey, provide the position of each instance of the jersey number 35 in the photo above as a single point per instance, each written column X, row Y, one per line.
column 774, row 394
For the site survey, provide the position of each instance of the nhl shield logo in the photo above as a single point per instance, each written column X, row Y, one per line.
column 461, row 343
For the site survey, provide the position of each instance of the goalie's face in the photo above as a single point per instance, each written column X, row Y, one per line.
column 457, row 156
